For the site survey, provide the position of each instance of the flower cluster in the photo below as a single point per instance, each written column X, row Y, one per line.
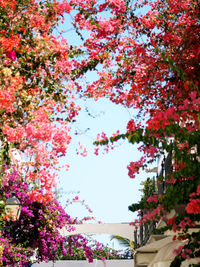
column 134, row 167
column 37, row 107
column 150, row 62
column 37, row 230
column 194, row 203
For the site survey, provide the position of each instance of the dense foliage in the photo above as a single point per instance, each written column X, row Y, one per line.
column 146, row 55
column 99, row 251
column 36, row 110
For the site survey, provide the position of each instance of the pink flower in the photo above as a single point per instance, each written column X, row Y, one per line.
column 11, row 54
column 178, row 250
column 153, row 198
column 134, row 167
column 193, row 206
column 131, row 126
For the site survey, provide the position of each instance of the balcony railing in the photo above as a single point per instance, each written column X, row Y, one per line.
column 142, row 234
column 166, row 169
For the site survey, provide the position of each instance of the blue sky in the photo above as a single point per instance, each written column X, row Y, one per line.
column 102, row 180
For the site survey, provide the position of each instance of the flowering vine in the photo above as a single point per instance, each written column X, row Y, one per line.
column 146, row 55
column 148, row 58
column 37, row 108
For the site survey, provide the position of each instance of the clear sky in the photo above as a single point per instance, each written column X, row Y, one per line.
column 102, row 180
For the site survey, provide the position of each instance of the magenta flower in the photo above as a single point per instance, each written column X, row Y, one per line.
column 11, row 54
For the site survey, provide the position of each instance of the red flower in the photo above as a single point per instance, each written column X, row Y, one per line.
column 171, row 221
column 131, row 126
column 11, row 54
column 193, row 206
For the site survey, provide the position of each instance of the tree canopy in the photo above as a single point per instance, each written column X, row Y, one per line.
column 146, row 56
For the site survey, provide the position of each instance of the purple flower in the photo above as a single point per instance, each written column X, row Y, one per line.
column 27, row 212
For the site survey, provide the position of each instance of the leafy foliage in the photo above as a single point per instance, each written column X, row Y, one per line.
column 98, row 251
column 146, row 55
column 149, row 55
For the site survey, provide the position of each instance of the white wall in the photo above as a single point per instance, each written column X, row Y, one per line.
column 95, row 263
column 122, row 229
